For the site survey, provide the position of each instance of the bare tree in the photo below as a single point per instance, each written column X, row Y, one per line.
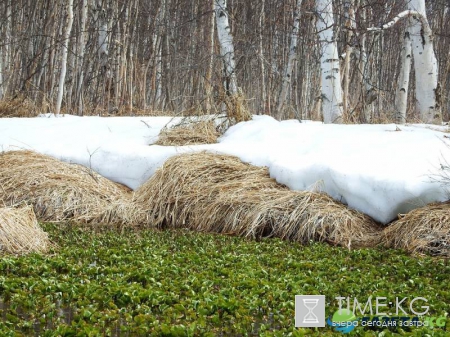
column 65, row 51
column 292, row 57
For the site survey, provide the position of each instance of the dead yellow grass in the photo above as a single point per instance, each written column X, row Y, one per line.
column 60, row 191
column 17, row 107
column 236, row 109
column 189, row 132
column 425, row 230
column 217, row 193
column 20, row 232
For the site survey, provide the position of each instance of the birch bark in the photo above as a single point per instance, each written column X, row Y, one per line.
column 425, row 64
column 292, row 57
column 262, row 106
column 401, row 97
column 349, row 6
column 209, row 69
column 1, row 74
column 80, row 61
column 102, row 33
column 65, row 50
column 226, row 46
column 331, row 76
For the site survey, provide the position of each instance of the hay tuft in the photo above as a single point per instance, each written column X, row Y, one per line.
column 218, row 193
column 60, row 191
column 18, row 107
column 189, row 132
column 20, row 232
column 235, row 107
column 424, row 230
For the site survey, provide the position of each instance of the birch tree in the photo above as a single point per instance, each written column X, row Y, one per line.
column 158, row 46
column 1, row 73
column 262, row 106
column 331, row 75
column 236, row 111
column 80, row 59
column 209, row 69
column 349, row 7
column 292, row 57
column 226, row 46
column 103, row 46
column 132, row 55
column 65, row 50
column 401, row 97
column 425, row 64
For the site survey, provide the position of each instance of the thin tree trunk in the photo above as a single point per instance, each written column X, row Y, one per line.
column 6, row 62
column 292, row 57
column 401, row 98
column 350, row 25
column 262, row 106
column 368, row 92
column 81, row 46
column 103, row 45
column 65, row 50
column 209, row 69
column 158, row 73
column 1, row 73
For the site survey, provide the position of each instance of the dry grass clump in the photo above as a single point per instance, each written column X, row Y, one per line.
column 20, row 232
column 235, row 105
column 17, row 107
column 424, row 230
column 218, row 193
column 189, row 132
column 60, row 191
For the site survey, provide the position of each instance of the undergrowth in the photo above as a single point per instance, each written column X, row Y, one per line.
column 110, row 282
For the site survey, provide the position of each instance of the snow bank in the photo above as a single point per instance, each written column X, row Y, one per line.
column 372, row 168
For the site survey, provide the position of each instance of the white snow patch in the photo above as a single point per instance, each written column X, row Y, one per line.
column 372, row 168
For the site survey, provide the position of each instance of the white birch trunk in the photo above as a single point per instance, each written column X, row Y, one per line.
column 209, row 70
column 1, row 73
column 81, row 47
column 158, row 70
column 262, row 106
column 65, row 50
column 401, row 98
column 425, row 64
column 102, row 32
column 157, row 40
column 368, row 92
column 292, row 57
column 226, row 45
column 331, row 76
column 350, row 25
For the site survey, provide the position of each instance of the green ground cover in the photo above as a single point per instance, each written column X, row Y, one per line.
column 178, row 283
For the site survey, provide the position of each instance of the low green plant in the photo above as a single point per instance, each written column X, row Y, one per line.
column 109, row 282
